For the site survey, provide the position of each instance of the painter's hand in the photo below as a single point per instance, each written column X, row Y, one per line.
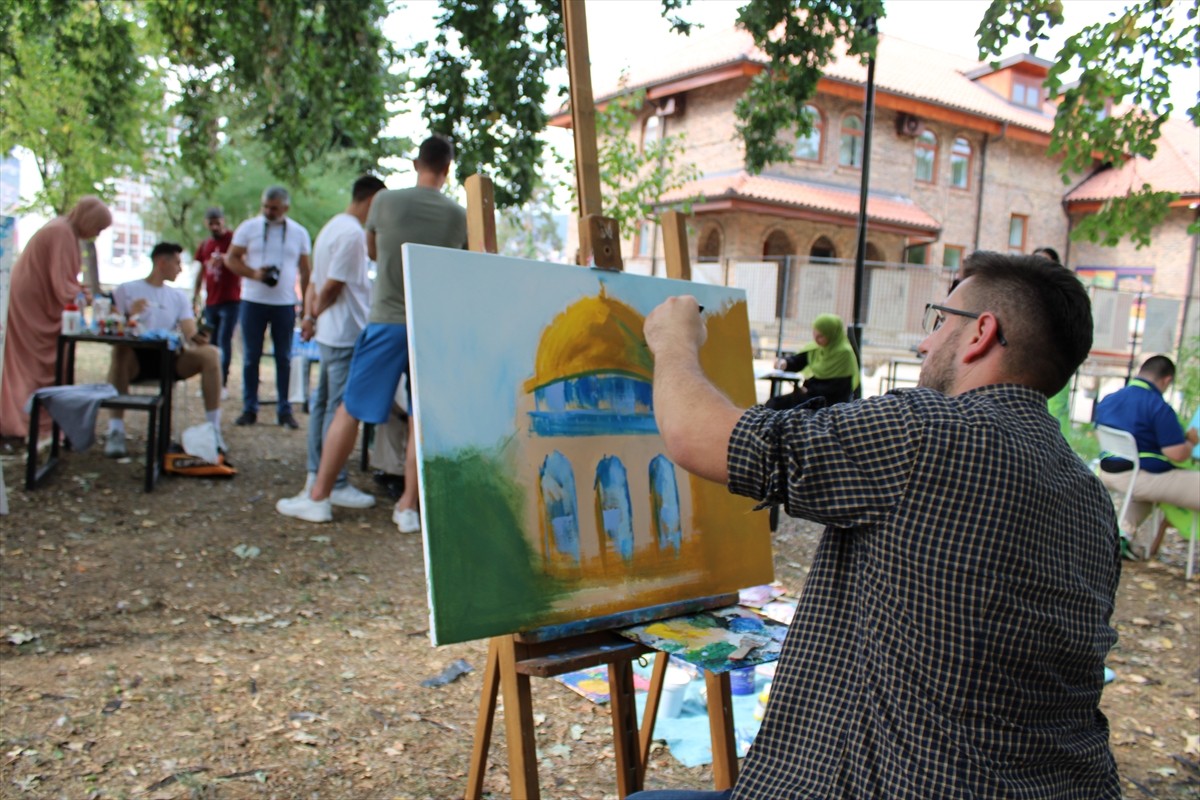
column 676, row 326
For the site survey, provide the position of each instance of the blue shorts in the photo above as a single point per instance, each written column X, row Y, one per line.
column 380, row 359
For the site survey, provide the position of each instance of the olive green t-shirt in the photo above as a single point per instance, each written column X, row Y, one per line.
column 417, row 215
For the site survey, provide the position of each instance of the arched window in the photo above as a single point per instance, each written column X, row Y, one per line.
column 808, row 147
column 710, row 245
column 822, row 248
column 960, row 164
column 873, row 253
column 614, row 512
column 664, row 502
column 777, row 246
column 850, row 150
column 926, row 157
column 560, row 509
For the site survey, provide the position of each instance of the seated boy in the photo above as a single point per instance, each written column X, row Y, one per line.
column 161, row 307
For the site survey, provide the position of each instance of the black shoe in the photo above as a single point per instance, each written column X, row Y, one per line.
column 288, row 421
column 247, row 418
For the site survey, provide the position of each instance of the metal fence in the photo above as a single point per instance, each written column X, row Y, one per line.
column 786, row 293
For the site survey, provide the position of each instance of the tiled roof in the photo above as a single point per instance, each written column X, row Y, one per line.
column 901, row 68
column 1174, row 168
column 837, row 200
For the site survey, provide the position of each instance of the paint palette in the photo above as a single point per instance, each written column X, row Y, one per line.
column 711, row 639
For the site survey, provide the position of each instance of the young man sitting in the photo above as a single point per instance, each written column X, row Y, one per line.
column 161, row 307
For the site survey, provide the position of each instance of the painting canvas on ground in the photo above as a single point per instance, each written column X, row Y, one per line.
column 546, row 494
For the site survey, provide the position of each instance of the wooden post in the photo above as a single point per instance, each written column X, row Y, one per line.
column 483, row 724
column 583, row 109
column 674, row 228
column 720, row 725
column 653, row 695
column 518, row 721
column 481, row 214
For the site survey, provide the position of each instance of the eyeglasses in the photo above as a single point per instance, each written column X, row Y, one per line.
column 935, row 315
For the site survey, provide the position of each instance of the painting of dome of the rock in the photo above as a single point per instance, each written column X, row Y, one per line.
column 547, row 496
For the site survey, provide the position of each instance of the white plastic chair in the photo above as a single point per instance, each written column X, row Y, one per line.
column 1122, row 445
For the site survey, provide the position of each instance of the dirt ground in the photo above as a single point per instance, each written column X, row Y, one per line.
column 191, row 643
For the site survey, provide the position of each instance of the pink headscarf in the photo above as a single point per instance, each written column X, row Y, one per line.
column 89, row 214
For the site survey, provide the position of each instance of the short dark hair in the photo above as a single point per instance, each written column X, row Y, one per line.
column 436, row 153
column 1048, row 252
column 1156, row 368
column 214, row 212
column 366, row 187
column 165, row 249
column 1044, row 312
column 276, row 193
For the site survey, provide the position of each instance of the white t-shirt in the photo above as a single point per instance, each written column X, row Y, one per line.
column 341, row 254
column 166, row 305
column 277, row 244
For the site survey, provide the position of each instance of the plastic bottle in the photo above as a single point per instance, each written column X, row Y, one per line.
column 72, row 320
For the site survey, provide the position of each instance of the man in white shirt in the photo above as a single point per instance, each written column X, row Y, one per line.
column 159, row 307
column 335, row 307
column 272, row 251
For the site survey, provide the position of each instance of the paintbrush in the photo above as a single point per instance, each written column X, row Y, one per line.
column 745, row 646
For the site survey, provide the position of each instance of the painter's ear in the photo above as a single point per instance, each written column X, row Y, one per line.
column 984, row 334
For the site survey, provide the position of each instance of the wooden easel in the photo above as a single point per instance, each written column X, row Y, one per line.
column 513, row 659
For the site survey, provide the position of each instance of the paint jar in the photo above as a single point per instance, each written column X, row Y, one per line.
column 674, row 689
column 741, row 681
column 72, row 319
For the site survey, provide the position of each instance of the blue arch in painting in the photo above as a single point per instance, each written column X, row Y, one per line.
column 664, row 503
column 613, row 506
column 560, row 506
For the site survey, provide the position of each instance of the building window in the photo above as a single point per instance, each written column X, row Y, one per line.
column 808, row 148
column 952, row 256
column 645, row 242
column 651, row 131
column 917, row 254
column 1027, row 92
column 1018, row 232
column 850, row 151
column 926, row 157
column 614, row 511
column 560, row 513
column 710, row 245
column 960, row 164
column 664, row 502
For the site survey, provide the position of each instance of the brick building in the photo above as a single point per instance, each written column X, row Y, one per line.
column 958, row 163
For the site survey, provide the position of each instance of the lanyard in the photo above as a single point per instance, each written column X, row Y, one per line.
column 282, row 242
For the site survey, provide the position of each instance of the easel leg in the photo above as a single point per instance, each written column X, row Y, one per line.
column 720, row 723
column 518, row 722
column 483, row 725
column 625, row 727
column 653, row 695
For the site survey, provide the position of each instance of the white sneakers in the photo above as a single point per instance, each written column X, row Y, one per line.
column 350, row 497
column 114, row 445
column 407, row 520
column 304, row 507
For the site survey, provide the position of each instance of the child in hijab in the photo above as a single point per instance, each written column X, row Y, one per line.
column 828, row 364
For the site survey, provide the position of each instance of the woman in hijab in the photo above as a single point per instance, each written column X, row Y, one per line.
column 828, row 364
column 44, row 280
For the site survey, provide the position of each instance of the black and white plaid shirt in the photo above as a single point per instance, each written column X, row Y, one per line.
column 951, row 636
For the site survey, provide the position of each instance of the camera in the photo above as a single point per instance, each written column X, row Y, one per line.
column 270, row 275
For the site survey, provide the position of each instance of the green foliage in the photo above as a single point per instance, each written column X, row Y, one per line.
column 800, row 37
column 1187, row 377
column 1122, row 60
column 634, row 177
column 78, row 93
column 532, row 230
column 485, row 87
column 177, row 210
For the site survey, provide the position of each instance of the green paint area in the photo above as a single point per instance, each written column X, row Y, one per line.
column 714, row 657
column 483, row 573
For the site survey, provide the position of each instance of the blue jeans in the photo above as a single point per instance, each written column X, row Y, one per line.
column 331, row 383
column 223, row 318
column 255, row 319
column 672, row 794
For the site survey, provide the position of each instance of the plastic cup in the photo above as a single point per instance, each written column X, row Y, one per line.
column 674, row 689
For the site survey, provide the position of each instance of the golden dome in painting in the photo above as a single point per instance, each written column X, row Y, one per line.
column 596, row 335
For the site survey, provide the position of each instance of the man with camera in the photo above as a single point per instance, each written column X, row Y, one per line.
column 272, row 252
column 159, row 307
